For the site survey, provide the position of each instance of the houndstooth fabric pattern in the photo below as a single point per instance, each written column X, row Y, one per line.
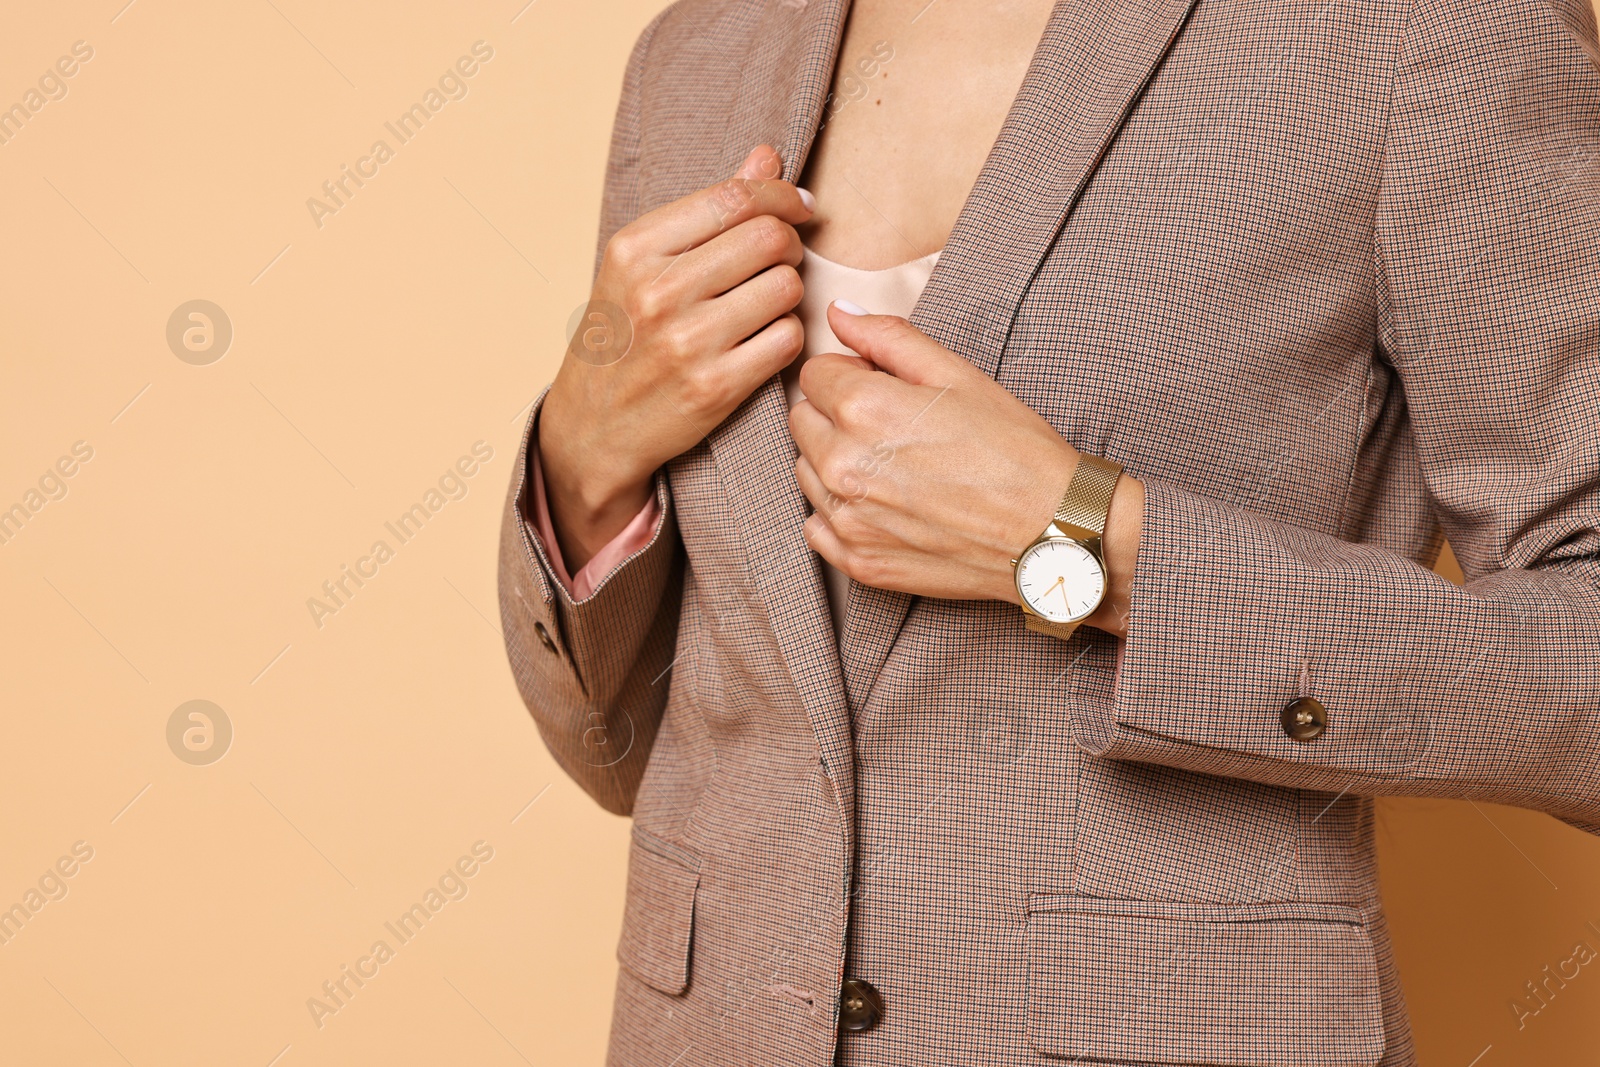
column 1323, row 274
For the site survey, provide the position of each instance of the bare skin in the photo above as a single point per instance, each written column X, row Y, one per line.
column 899, row 150
column 975, row 473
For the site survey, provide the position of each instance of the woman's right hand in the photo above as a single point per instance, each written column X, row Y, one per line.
column 697, row 300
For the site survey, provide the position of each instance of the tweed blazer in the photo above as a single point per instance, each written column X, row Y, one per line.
column 1325, row 275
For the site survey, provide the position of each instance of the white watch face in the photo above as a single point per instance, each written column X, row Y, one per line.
column 1061, row 580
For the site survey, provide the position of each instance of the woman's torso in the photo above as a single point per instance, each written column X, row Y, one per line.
column 1185, row 285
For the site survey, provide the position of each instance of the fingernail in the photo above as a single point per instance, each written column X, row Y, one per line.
column 850, row 309
column 807, row 199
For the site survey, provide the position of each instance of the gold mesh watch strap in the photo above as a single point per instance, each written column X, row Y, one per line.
column 1087, row 502
column 1061, row 630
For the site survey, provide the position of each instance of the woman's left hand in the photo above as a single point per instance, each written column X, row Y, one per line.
column 928, row 477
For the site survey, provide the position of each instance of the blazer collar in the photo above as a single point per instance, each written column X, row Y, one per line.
column 1088, row 70
column 786, row 71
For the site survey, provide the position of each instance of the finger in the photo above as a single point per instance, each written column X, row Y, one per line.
column 700, row 216
column 894, row 345
column 745, row 310
column 730, row 258
column 805, row 476
column 828, row 377
column 762, row 162
column 813, row 432
column 773, row 348
column 825, row 542
column 823, row 499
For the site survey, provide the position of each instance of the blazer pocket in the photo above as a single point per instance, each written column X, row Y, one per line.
column 1253, row 985
column 658, row 919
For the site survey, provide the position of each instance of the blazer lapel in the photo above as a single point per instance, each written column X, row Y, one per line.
column 1091, row 64
column 785, row 76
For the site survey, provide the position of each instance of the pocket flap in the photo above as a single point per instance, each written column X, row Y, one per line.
column 658, row 919
column 1256, row 985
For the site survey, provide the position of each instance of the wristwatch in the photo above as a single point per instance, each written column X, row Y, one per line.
column 1061, row 576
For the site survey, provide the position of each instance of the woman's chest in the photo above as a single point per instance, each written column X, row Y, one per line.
column 919, row 94
column 1170, row 254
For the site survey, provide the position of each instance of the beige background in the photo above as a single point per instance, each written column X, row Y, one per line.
column 371, row 753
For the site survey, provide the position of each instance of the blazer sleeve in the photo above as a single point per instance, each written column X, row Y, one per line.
column 593, row 672
column 1487, row 267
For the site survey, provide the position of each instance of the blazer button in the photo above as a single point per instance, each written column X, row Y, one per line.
column 1305, row 719
column 544, row 637
column 860, row 1005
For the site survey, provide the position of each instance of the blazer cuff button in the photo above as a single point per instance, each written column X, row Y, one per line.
column 1305, row 719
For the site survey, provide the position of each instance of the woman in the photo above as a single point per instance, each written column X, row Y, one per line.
column 1014, row 687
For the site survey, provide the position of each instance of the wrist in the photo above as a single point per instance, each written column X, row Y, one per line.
column 590, row 494
column 1118, row 540
column 1033, row 514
